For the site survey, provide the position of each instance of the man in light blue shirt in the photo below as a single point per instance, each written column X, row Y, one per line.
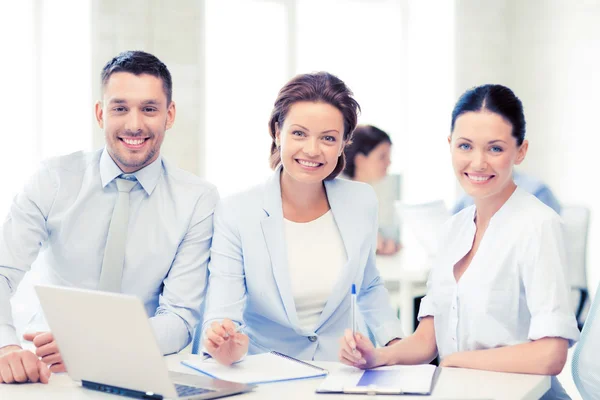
column 65, row 211
column 528, row 183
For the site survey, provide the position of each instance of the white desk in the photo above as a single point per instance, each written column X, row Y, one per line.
column 408, row 271
column 453, row 384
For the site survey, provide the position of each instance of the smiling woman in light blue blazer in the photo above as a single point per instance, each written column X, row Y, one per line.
column 286, row 253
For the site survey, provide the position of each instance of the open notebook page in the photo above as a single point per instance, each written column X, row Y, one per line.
column 255, row 369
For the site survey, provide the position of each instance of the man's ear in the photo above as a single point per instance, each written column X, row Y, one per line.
column 171, row 112
column 99, row 113
column 522, row 152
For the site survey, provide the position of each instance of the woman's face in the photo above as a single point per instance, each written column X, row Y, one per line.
column 483, row 153
column 374, row 166
column 311, row 140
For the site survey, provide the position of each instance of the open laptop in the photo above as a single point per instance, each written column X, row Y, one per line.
column 106, row 342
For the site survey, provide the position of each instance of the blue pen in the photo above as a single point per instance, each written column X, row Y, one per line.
column 353, row 306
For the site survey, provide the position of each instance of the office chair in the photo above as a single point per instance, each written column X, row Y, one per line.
column 576, row 222
column 586, row 360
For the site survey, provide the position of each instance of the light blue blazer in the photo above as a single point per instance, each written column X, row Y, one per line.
column 250, row 282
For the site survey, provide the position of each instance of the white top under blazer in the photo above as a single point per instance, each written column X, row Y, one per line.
column 316, row 256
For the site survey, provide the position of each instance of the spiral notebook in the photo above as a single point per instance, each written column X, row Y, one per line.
column 257, row 369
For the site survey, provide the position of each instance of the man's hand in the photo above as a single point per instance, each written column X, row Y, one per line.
column 47, row 349
column 19, row 366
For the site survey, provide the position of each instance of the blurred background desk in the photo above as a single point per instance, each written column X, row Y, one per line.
column 405, row 276
column 453, row 383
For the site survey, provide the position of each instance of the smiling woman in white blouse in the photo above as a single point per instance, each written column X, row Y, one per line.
column 497, row 296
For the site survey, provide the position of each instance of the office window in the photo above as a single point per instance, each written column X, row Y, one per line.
column 18, row 100
column 65, row 77
column 396, row 55
column 246, row 61
column 428, row 173
column 45, row 105
column 361, row 42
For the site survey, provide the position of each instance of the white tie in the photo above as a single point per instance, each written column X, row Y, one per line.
column 114, row 252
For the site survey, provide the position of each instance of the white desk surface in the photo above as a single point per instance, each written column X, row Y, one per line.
column 452, row 384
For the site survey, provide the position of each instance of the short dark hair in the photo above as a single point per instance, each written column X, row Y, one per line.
column 497, row 99
column 315, row 87
column 138, row 63
column 364, row 139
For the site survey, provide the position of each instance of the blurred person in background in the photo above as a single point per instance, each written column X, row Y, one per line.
column 367, row 160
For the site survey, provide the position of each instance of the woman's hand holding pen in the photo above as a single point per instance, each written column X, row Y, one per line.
column 225, row 343
column 358, row 351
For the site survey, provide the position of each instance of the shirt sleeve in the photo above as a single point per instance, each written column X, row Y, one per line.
column 428, row 303
column 180, row 302
column 21, row 237
column 226, row 296
column 545, row 284
column 373, row 298
column 427, row 307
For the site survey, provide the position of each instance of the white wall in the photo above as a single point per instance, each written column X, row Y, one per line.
column 561, row 85
column 175, row 35
column 547, row 52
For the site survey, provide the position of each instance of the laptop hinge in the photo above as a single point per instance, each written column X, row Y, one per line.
column 120, row 391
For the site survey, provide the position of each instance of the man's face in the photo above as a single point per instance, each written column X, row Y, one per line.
column 134, row 115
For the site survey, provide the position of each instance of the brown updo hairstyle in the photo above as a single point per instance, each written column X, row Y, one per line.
column 318, row 87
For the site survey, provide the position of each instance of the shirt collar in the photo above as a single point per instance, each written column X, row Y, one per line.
column 147, row 176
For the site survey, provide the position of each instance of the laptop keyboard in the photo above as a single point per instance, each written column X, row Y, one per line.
column 184, row 390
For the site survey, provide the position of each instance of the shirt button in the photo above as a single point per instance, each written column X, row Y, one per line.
column 312, row 338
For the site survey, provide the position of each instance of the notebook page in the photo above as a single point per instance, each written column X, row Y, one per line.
column 259, row 368
column 405, row 378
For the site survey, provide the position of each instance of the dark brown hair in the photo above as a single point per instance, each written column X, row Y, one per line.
column 364, row 140
column 138, row 63
column 318, row 87
column 497, row 99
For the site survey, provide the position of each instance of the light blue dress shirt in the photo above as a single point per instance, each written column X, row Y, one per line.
column 63, row 214
column 528, row 183
column 250, row 280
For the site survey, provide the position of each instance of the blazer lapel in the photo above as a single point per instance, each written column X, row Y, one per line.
column 352, row 231
column 273, row 231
